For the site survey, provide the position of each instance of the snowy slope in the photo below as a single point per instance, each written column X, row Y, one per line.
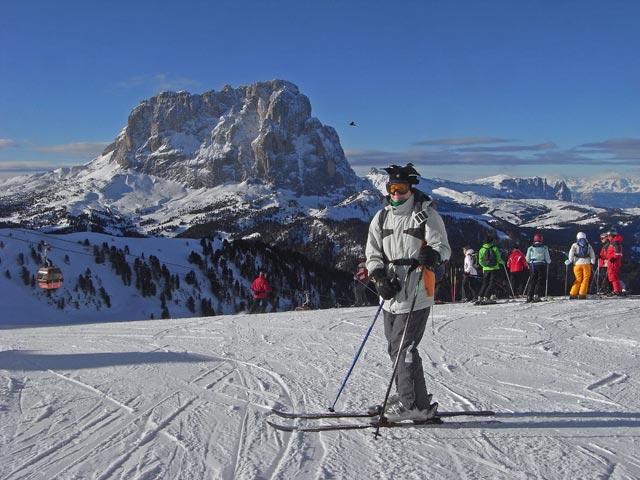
column 223, row 278
column 126, row 302
column 188, row 398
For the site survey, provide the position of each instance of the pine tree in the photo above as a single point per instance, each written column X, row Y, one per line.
column 105, row 296
column 25, row 275
column 191, row 304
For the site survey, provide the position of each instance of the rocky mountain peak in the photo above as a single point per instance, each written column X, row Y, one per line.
column 262, row 132
column 534, row 187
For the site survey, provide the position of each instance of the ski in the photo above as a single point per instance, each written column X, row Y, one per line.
column 488, row 302
column 321, row 415
column 318, row 415
column 435, row 423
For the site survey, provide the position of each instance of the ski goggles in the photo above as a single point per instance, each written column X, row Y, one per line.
column 400, row 188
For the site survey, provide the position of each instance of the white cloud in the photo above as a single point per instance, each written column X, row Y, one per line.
column 14, row 168
column 607, row 154
column 80, row 149
column 6, row 143
column 160, row 82
column 462, row 141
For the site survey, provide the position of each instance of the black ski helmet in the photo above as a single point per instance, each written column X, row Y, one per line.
column 406, row 174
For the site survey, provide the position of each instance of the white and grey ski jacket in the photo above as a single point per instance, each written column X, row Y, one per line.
column 573, row 256
column 397, row 242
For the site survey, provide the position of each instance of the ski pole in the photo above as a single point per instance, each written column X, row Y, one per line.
column 509, row 280
column 353, row 364
column 366, row 286
column 546, row 283
column 566, row 273
column 525, row 291
column 451, row 287
column 454, row 279
column 592, row 280
column 376, row 434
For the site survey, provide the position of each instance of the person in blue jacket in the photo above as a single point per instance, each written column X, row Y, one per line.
column 538, row 259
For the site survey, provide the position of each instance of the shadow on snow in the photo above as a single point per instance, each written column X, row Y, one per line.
column 27, row 360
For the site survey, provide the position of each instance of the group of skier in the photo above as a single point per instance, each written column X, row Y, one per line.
column 490, row 261
column 527, row 274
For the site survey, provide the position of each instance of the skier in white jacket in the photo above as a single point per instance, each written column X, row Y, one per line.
column 406, row 234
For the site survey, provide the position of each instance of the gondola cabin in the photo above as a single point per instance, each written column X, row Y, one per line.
column 49, row 278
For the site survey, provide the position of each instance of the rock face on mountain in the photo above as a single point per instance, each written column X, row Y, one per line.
column 263, row 132
column 535, row 187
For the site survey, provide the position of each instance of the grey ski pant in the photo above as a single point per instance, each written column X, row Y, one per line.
column 410, row 382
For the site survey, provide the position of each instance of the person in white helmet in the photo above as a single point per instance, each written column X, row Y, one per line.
column 581, row 256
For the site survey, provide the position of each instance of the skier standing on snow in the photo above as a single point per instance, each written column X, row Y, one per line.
column 408, row 232
column 605, row 285
column 614, row 257
column 581, row 256
column 490, row 260
column 261, row 290
column 518, row 268
column 538, row 259
column 469, row 275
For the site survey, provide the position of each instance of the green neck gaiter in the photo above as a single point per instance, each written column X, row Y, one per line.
column 397, row 204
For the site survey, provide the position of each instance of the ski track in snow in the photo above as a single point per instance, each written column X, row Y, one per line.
column 187, row 398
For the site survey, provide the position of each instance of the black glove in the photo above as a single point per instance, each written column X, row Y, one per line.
column 428, row 257
column 386, row 287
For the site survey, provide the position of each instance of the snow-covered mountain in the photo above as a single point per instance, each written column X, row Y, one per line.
column 505, row 203
column 253, row 161
column 523, row 188
column 241, row 162
column 263, row 132
column 610, row 190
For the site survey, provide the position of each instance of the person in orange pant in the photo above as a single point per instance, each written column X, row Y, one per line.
column 582, row 256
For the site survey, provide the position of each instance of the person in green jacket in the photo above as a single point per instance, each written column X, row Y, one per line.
column 490, row 260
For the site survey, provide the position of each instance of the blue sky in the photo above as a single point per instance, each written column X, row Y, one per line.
column 463, row 89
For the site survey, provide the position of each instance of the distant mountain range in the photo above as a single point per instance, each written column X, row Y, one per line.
column 611, row 190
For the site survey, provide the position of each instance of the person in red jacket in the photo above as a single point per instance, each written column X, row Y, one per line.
column 614, row 258
column 519, row 270
column 604, row 285
column 261, row 290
